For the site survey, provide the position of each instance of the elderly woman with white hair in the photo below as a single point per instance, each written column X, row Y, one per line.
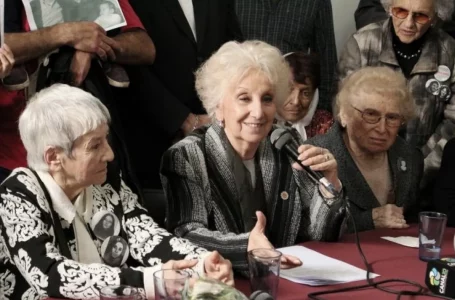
column 49, row 242
column 380, row 171
column 411, row 41
column 224, row 180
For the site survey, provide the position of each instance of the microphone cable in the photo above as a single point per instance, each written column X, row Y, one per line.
column 419, row 289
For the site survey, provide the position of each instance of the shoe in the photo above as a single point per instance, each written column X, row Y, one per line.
column 116, row 75
column 17, row 79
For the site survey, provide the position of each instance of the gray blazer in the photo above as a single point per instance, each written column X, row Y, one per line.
column 361, row 197
column 204, row 202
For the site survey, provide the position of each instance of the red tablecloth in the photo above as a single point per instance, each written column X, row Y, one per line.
column 388, row 259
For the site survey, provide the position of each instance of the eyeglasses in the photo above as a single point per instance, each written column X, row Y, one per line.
column 402, row 13
column 372, row 116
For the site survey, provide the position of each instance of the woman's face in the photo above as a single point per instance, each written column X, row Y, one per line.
column 434, row 87
column 248, row 110
column 407, row 29
column 108, row 221
column 117, row 250
column 296, row 106
column 90, row 155
column 370, row 138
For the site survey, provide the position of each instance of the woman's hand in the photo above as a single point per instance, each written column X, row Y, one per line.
column 7, row 61
column 179, row 264
column 218, row 268
column 389, row 216
column 258, row 240
column 319, row 159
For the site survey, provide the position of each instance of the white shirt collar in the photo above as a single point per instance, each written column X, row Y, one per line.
column 60, row 201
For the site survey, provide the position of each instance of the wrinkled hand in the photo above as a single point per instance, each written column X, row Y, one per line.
column 319, row 159
column 258, row 240
column 7, row 61
column 389, row 216
column 80, row 65
column 179, row 264
column 92, row 38
column 218, row 268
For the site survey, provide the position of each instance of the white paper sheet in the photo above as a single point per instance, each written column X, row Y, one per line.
column 408, row 241
column 319, row 269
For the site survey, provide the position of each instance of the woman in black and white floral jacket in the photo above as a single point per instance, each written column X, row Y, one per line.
column 48, row 213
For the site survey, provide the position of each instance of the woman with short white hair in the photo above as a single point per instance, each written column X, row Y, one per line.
column 50, row 244
column 223, row 180
column 411, row 42
column 380, row 171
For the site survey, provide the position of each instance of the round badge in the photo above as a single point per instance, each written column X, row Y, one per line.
column 433, row 86
column 114, row 251
column 284, row 195
column 443, row 73
column 445, row 93
column 105, row 224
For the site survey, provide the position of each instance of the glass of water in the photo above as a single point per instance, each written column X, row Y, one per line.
column 171, row 284
column 264, row 267
column 431, row 233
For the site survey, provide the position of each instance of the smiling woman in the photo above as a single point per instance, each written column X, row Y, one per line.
column 223, row 180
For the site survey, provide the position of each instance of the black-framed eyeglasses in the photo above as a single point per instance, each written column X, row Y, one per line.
column 372, row 116
column 402, row 13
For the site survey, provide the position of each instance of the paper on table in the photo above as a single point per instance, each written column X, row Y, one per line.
column 319, row 269
column 408, row 241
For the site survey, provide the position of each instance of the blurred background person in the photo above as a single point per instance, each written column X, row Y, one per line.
column 380, row 171
column 300, row 108
column 409, row 41
column 167, row 107
column 45, row 210
column 372, row 11
column 224, row 180
column 295, row 25
column 12, row 152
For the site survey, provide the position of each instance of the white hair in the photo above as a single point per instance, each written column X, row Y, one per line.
column 57, row 116
column 232, row 62
column 443, row 8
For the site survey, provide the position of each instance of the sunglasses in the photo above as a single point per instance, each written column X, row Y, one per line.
column 402, row 13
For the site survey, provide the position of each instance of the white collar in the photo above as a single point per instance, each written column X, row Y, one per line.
column 60, row 201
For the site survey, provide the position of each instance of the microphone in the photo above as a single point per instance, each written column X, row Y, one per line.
column 280, row 139
column 260, row 295
column 439, row 277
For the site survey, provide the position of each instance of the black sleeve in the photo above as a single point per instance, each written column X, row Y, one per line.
column 444, row 189
column 13, row 16
column 369, row 11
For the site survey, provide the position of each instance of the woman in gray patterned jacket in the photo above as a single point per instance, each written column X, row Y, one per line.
column 221, row 180
column 411, row 41
column 50, row 245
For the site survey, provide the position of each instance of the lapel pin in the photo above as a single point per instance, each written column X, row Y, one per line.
column 402, row 164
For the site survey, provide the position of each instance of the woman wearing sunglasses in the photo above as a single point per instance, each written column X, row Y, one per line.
column 411, row 42
column 379, row 170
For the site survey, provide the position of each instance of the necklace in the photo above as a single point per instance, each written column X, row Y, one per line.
column 406, row 56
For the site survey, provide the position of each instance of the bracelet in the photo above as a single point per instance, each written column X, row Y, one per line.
column 196, row 122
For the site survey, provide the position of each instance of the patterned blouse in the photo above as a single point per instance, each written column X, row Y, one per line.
column 32, row 266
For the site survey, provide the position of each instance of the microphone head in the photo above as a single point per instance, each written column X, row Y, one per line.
column 280, row 137
column 261, row 295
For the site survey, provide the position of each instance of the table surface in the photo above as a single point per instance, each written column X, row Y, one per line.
column 387, row 259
